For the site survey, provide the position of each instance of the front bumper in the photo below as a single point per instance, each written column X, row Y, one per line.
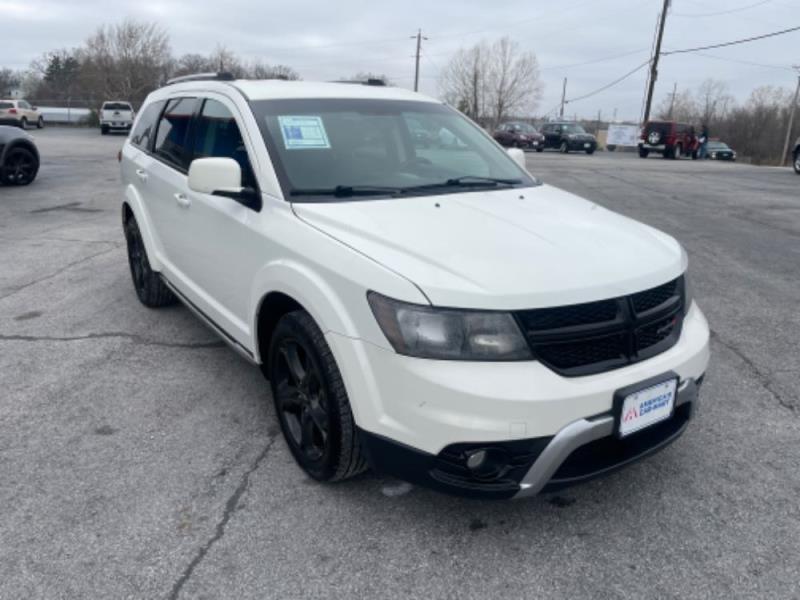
column 581, row 451
column 430, row 407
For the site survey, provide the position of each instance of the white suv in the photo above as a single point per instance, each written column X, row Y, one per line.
column 427, row 309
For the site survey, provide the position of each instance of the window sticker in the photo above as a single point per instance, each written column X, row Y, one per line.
column 302, row 133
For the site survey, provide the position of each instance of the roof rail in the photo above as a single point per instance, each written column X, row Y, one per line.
column 221, row 76
column 370, row 81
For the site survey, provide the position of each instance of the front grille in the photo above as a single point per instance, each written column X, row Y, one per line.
column 583, row 339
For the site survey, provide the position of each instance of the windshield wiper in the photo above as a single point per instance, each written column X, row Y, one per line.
column 348, row 191
column 466, row 181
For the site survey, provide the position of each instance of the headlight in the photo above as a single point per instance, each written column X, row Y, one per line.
column 448, row 334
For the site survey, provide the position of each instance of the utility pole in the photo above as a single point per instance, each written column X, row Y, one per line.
column 784, row 156
column 672, row 101
column 419, row 37
column 654, row 62
column 563, row 98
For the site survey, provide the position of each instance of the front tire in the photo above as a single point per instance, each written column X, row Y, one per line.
column 643, row 152
column 311, row 402
column 23, row 123
column 39, row 123
column 103, row 130
column 564, row 148
column 796, row 163
column 19, row 167
column 150, row 289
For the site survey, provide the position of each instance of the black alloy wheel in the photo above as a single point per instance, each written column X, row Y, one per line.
column 311, row 401
column 20, row 167
column 150, row 289
column 302, row 401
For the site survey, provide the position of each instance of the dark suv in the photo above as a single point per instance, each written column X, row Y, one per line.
column 669, row 138
column 796, row 157
column 519, row 135
column 568, row 136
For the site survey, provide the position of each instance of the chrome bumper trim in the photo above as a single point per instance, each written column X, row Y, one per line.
column 577, row 434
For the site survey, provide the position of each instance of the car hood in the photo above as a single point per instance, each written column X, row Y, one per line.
column 504, row 249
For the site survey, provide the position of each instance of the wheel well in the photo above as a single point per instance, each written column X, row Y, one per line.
column 273, row 307
column 127, row 213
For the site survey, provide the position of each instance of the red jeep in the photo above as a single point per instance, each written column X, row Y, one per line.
column 669, row 138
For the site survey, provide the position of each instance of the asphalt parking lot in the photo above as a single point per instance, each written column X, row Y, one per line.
column 141, row 458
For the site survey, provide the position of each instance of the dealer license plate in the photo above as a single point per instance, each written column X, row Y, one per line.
column 647, row 407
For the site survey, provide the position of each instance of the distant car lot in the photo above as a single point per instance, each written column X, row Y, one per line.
column 141, row 457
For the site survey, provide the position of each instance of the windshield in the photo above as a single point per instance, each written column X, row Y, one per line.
column 574, row 129
column 717, row 146
column 523, row 127
column 330, row 149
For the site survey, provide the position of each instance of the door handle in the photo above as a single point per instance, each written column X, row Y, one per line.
column 142, row 174
column 182, row 200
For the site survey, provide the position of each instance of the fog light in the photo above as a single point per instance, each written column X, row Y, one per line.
column 476, row 459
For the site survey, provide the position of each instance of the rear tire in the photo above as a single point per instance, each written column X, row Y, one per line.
column 150, row 289
column 40, row 123
column 103, row 130
column 796, row 163
column 19, row 167
column 311, row 402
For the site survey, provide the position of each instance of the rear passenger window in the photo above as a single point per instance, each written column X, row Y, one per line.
column 218, row 135
column 146, row 125
column 170, row 144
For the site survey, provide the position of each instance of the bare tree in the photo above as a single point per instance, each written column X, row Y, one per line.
column 9, row 80
column 191, row 63
column 512, row 80
column 125, row 61
column 367, row 75
column 713, row 100
column 681, row 107
column 489, row 82
column 260, row 70
column 464, row 81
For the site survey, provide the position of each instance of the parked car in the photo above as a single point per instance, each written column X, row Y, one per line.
column 20, row 113
column 19, row 158
column 796, row 156
column 567, row 137
column 720, row 151
column 519, row 135
column 438, row 313
column 116, row 115
column 668, row 138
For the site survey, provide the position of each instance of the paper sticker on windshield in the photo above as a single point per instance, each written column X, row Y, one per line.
column 303, row 133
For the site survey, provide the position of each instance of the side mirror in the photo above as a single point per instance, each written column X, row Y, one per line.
column 211, row 175
column 518, row 156
column 222, row 177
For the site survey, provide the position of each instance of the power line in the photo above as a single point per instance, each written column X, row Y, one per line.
column 721, row 12
column 593, row 61
column 609, row 85
column 744, row 62
column 734, row 42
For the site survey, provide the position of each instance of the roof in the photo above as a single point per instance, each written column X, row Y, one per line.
column 276, row 89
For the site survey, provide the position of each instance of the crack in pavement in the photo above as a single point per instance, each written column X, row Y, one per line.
column 761, row 377
column 58, row 272
column 231, row 506
column 136, row 339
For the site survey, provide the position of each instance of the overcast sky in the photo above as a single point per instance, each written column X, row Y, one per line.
column 336, row 38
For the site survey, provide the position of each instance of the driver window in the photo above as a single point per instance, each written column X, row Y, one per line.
column 218, row 135
column 171, row 133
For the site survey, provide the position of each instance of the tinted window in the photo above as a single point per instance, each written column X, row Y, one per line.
column 217, row 134
column 170, row 144
column 116, row 106
column 5, row 105
column 145, row 126
column 23, row 104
